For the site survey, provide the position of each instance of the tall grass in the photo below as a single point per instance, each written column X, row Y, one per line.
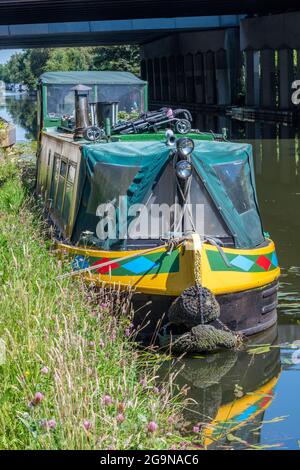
column 71, row 379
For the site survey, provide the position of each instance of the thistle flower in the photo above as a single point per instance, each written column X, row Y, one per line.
column 45, row 370
column 38, row 398
column 196, row 429
column 120, row 418
column 152, row 426
column 107, row 400
column 87, row 425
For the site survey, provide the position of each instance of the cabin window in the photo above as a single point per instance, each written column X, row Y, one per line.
column 60, row 100
column 237, row 184
column 130, row 97
column 68, row 193
column 206, row 218
column 61, row 186
column 54, row 178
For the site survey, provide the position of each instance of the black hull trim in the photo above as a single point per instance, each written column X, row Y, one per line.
column 248, row 312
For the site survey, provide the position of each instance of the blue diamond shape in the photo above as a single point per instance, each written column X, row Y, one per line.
column 139, row 265
column 274, row 260
column 242, row 262
column 79, row 262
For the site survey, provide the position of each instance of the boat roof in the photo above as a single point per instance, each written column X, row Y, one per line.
column 91, row 78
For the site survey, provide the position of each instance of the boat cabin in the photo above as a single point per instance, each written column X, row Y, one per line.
column 56, row 99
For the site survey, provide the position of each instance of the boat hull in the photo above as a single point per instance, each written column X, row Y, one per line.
column 245, row 284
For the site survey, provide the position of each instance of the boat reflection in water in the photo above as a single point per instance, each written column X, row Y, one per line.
column 229, row 392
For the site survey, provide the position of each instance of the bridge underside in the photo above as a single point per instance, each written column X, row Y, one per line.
column 87, row 33
column 43, row 11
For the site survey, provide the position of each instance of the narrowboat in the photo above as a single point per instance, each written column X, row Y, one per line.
column 139, row 199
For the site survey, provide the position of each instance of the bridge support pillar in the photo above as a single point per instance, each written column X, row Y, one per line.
column 199, row 78
column 210, row 78
column 268, row 79
column 286, row 77
column 252, row 78
column 222, row 78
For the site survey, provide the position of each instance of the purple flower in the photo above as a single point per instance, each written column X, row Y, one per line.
column 127, row 332
column 92, row 344
column 152, row 426
column 156, row 390
column 51, row 424
column 107, row 400
column 196, row 429
column 170, row 420
column 120, row 418
column 101, row 344
column 45, row 370
column 38, row 398
column 87, row 425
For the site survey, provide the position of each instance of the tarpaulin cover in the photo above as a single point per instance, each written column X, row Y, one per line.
column 133, row 168
column 227, row 171
column 117, row 169
column 90, row 78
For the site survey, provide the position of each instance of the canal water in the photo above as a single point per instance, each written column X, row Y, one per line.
column 248, row 399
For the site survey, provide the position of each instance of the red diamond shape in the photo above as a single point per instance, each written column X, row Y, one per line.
column 263, row 262
column 105, row 269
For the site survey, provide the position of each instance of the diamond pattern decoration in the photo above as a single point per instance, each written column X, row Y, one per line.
column 274, row 260
column 105, row 269
column 242, row 262
column 263, row 262
column 79, row 262
column 139, row 265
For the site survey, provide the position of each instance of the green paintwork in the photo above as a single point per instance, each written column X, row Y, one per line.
column 217, row 263
column 164, row 264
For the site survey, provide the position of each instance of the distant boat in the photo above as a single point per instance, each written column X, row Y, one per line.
column 7, row 134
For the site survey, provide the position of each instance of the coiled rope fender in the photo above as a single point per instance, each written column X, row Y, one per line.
column 196, row 308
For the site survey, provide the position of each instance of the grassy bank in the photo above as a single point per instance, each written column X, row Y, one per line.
column 71, row 378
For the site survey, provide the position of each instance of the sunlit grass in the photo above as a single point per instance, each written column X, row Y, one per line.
column 72, row 378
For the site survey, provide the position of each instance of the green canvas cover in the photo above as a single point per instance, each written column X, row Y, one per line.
column 117, row 169
column 227, row 171
column 90, row 78
column 132, row 169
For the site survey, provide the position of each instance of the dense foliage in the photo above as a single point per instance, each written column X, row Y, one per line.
column 26, row 66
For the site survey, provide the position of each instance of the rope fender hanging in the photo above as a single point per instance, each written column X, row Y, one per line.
column 198, row 310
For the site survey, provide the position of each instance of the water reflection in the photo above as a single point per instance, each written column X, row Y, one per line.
column 273, row 422
column 230, row 391
column 21, row 110
column 277, row 166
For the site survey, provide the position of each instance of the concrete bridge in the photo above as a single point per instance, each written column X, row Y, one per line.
column 194, row 52
column 44, row 11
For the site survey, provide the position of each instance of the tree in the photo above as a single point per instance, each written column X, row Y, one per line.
column 26, row 66
column 123, row 58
